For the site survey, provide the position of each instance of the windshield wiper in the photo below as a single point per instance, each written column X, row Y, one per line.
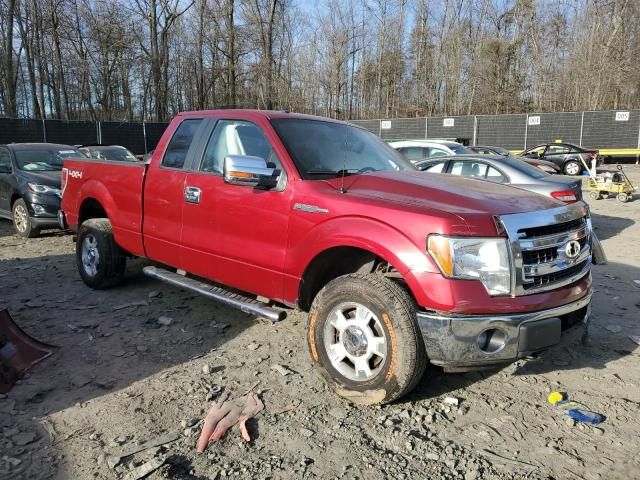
column 334, row 173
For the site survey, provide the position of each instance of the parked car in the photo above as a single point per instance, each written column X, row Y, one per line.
column 507, row 170
column 30, row 184
column 395, row 267
column 114, row 153
column 565, row 156
column 486, row 150
column 416, row 150
column 503, row 152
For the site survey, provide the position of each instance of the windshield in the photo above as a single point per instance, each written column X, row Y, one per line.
column 502, row 151
column 525, row 168
column 119, row 154
column 45, row 159
column 326, row 149
column 459, row 149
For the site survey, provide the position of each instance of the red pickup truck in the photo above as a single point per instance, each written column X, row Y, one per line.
column 396, row 267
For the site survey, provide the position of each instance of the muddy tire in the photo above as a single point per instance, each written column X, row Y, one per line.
column 101, row 262
column 22, row 221
column 364, row 339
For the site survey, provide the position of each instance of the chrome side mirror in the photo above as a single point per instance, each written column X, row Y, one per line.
column 250, row 171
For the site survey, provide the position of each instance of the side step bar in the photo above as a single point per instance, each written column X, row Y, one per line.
column 247, row 305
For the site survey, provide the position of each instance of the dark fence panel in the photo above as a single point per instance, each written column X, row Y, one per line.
column 403, row 128
column 70, row 133
column 553, row 126
column 601, row 130
column 128, row 135
column 505, row 131
column 442, row 128
column 372, row 125
column 13, row 130
column 153, row 133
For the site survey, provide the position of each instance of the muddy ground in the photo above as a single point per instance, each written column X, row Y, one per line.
column 119, row 379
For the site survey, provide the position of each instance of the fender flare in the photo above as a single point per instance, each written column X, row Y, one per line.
column 376, row 237
column 92, row 189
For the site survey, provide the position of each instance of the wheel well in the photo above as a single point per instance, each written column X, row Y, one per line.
column 91, row 208
column 14, row 198
column 333, row 263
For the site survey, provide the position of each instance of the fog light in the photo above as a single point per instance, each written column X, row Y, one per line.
column 492, row 340
column 38, row 209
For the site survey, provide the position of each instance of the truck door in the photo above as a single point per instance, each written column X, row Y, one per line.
column 164, row 194
column 234, row 234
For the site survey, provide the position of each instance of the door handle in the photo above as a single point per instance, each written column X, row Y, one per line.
column 192, row 194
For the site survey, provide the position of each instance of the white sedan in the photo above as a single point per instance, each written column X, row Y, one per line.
column 417, row 150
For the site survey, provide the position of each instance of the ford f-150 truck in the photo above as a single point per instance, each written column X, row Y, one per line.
column 267, row 210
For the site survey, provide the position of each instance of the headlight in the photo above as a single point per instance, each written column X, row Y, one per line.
column 483, row 259
column 45, row 189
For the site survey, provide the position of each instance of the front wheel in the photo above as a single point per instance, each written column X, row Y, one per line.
column 22, row 221
column 101, row 262
column 623, row 197
column 572, row 167
column 594, row 195
column 364, row 339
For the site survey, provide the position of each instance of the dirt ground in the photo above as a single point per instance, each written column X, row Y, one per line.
column 120, row 379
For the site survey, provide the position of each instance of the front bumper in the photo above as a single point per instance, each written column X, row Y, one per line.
column 453, row 341
column 43, row 209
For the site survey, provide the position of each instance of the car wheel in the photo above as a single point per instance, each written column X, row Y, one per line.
column 594, row 195
column 623, row 197
column 572, row 167
column 101, row 262
column 364, row 339
column 22, row 221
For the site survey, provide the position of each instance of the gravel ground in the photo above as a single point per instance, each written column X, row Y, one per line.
column 119, row 379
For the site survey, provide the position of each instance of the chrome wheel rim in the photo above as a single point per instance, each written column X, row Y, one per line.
column 573, row 168
column 20, row 218
column 355, row 341
column 90, row 255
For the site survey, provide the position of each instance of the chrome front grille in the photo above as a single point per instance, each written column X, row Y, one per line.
column 549, row 249
column 543, row 231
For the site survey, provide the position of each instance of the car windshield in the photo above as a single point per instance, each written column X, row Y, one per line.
column 326, row 149
column 524, row 167
column 459, row 149
column 45, row 159
column 501, row 151
column 119, row 154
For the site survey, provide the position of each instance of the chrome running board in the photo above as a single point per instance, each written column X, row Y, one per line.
column 219, row 294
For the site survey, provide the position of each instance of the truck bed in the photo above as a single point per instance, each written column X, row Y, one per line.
column 117, row 186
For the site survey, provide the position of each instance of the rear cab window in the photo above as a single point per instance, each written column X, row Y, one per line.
column 176, row 153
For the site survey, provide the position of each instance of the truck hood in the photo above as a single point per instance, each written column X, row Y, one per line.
column 463, row 197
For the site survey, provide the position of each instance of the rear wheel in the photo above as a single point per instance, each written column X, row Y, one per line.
column 101, row 262
column 364, row 339
column 572, row 167
column 22, row 221
column 623, row 197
